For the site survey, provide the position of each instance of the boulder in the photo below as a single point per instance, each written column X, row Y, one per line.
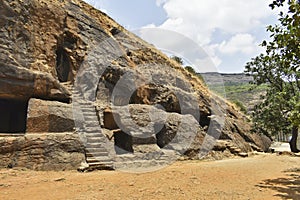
column 21, row 84
column 142, row 125
column 44, row 151
column 49, row 116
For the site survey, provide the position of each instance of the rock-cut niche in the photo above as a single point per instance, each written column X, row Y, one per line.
column 13, row 116
column 66, row 46
column 63, row 64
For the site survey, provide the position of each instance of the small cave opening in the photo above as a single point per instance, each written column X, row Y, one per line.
column 165, row 136
column 115, row 31
column 13, row 116
column 123, row 143
column 63, row 65
column 204, row 120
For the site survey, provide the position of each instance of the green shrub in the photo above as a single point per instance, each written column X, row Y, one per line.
column 240, row 106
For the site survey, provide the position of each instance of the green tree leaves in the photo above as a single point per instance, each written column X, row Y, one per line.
column 279, row 67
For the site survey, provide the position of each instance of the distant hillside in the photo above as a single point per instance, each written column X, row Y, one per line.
column 236, row 88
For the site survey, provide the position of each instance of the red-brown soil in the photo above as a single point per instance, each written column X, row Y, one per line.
column 258, row 177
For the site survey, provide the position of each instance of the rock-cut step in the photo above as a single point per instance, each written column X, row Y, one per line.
column 97, row 154
column 95, row 145
column 94, row 140
column 236, row 151
column 100, row 165
column 100, row 159
column 97, row 157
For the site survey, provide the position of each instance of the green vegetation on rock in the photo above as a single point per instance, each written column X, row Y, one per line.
column 177, row 59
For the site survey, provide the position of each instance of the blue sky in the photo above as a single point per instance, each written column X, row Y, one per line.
column 229, row 31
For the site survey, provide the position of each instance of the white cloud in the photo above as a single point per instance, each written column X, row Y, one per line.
column 199, row 18
column 225, row 29
column 97, row 4
column 237, row 19
column 240, row 43
column 202, row 60
column 207, row 64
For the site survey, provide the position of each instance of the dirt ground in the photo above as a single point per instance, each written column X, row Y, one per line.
column 267, row 176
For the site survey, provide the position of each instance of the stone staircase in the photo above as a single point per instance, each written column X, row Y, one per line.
column 68, row 86
column 236, row 151
column 96, row 146
column 99, row 150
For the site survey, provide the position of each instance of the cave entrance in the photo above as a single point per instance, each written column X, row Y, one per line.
column 13, row 116
column 63, row 65
column 123, row 142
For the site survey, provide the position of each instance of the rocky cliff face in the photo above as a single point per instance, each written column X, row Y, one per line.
column 67, row 67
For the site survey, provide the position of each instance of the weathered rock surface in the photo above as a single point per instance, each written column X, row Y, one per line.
column 42, row 151
column 49, row 116
column 66, row 51
column 144, row 125
column 21, row 83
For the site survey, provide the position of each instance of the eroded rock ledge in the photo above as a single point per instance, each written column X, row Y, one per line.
column 45, row 151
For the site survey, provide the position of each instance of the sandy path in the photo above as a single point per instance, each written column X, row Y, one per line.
column 258, row 177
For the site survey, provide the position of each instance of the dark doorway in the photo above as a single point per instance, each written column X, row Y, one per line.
column 123, row 142
column 63, row 65
column 13, row 115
